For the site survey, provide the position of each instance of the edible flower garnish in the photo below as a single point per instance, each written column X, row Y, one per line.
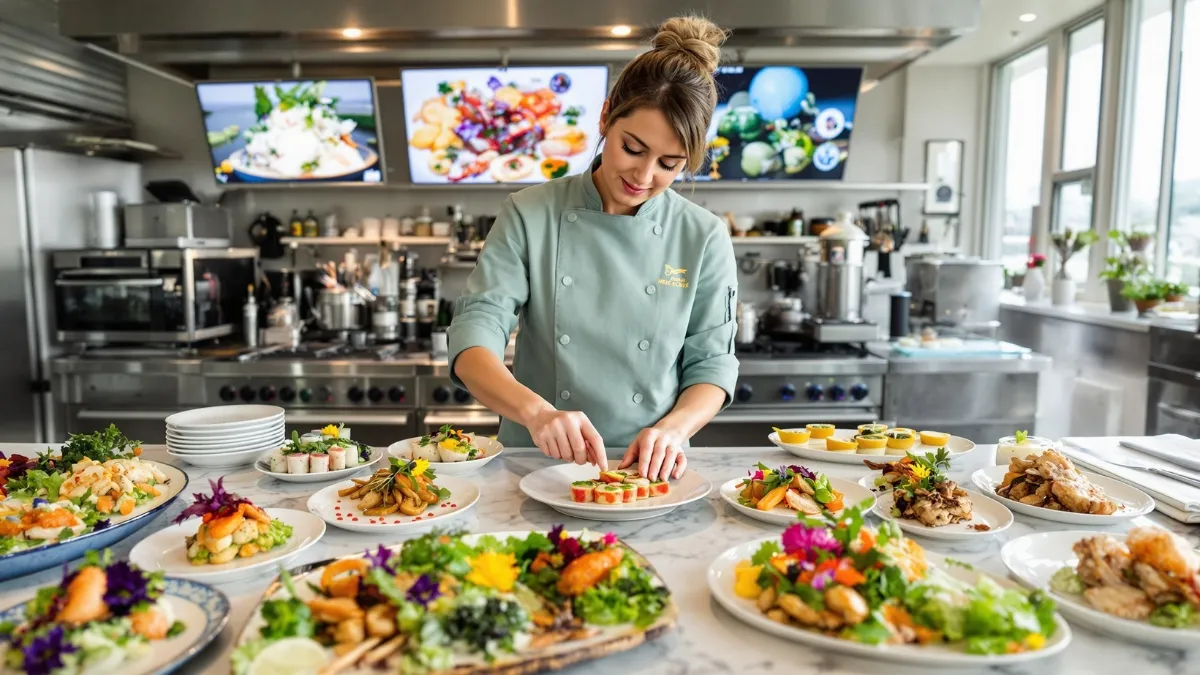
column 805, row 541
column 804, row 472
column 494, row 570
column 331, row 430
column 609, row 539
column 44, row 654
column 127, row 587
column 424, row 591
column 380, row 557
column 420, row 466
column 214, row 503
column 920, row 471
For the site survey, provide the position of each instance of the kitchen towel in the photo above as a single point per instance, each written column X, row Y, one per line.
column 1173, row 499
column 1172, row 448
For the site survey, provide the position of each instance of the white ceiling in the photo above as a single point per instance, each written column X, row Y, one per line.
column 995, row 37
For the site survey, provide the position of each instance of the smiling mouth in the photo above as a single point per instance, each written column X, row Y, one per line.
column 630, row 189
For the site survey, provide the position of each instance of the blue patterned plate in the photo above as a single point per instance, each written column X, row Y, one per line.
column 204, row 611
column 30, row 560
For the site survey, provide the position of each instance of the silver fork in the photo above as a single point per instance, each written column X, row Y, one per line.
column 1134, row 464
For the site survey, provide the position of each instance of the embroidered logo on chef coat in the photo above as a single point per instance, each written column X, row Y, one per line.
column 674, row 276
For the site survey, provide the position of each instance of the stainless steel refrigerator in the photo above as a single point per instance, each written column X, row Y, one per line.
column 44, row 206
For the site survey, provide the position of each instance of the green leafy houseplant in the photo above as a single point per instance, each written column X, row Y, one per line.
column 1127, row 263
column 1068, row 243
column 1146, row 293
column 1176, row 291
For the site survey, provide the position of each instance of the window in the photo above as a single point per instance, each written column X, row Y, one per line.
column 1081, row 124
column 1183, row 233
column 1142, row 171
column 1073, row 211
column 1021, row 89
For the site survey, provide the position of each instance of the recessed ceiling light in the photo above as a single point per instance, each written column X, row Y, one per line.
column 621, row 31
column 352, row 33
column 1027, row 18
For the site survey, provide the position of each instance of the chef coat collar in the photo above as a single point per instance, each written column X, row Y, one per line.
column 592, row 201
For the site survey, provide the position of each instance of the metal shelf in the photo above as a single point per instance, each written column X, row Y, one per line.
column 364, row 241
column 418, row 241
column 774, row 241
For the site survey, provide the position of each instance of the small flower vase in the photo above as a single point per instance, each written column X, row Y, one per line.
column 1063, row 292
column 1034, row 285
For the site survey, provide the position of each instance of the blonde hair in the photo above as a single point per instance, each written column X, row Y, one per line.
column 676, row 78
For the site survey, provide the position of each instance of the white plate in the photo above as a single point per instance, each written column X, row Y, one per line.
column 341, row 511
column 223, row 417
column 720, row 584
column 984, row 510
column 815, row 448
column 166, row 550
column 216, row 444
column 552, row 487
column 1133, row 502
column 264, row 467
column 403, row 450
column 261, row 446
column 1034, row 558
column 219, row 461
column 241, row 435
column 852, row 495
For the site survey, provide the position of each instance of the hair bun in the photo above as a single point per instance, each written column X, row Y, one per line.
column 697, row 37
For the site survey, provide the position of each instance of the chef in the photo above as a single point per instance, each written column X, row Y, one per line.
column 624, row 290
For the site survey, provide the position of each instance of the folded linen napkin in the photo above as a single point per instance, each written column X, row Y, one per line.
column 1172, row 448
column 1174, row 499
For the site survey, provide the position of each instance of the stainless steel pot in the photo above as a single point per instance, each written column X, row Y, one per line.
column 339, row 309
column 840, row 272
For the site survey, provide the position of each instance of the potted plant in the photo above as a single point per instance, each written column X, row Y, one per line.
column 1176, row 291
column 1035, row 283
column 1124, row 266
column 1146, row 293
column 1138, row 241
column 1068, row 243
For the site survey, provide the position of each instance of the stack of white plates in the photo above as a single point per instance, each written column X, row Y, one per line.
column 225, row 436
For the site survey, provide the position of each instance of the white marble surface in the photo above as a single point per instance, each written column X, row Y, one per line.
column 681, row 545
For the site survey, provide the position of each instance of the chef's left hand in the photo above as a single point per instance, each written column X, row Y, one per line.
column 658, row 453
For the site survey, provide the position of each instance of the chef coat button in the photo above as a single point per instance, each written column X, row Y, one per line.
column 637, row 398
column 564, row 394
column 567, row 281
column 658, row 229
column 571, row 217
column 650, row 290
column 564, row 340
column 644, row 345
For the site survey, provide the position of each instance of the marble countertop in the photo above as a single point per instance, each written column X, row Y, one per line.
column 681, row 545
column 1096, row 313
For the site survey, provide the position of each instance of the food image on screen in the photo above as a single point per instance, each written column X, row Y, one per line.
column 781, row 123
column 502, row 125
column 297, row 131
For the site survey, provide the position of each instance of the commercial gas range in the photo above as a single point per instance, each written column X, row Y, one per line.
column 793, row 384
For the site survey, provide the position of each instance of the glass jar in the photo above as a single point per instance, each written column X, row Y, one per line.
column 1009, row 448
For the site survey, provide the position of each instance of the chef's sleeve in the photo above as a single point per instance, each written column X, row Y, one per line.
column 708, row 352
column 486, row 312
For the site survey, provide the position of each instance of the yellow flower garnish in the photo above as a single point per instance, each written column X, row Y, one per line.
column 330, row 431
column 920, row 471
column 1035, row 641
column 4, row 462
column 563, row 535
column 419, row 467
column 493, row 570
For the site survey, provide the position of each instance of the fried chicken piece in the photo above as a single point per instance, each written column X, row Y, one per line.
column 847, row 604
column 1103, row 561
column 1120, row 600
column 1070, row 487
column 1163, row 550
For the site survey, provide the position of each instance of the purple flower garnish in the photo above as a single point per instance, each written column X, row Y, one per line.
column 424, row 591
column 127, row 586
column 380, row 557
column 803, row 471
column 556, row 534
column 102, row 524
column 822, row 579
column 567, row 546
column 805, row 540
column 468, row 130
column 610, row 539
column 494, row 83
column 756, row 475
column 213, row 504
column 44, row 654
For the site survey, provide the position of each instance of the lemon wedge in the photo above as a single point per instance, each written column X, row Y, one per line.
column 792, row 436
column 290, row 656
column 935, row 438
column 839, row 445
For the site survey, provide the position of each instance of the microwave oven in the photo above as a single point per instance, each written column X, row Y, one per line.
column 151, row 296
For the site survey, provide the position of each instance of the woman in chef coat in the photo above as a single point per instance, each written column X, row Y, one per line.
column 625, row 291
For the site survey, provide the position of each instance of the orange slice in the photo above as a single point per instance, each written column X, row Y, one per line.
column 820, row 430
column 838, row 445
column 792, row 436
column 935, row 438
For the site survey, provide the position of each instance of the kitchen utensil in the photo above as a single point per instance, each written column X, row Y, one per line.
column 747, row 323
column 285, row 314
column 840, row 272
column 105, row 230
column 338, row 309
column 266, row 232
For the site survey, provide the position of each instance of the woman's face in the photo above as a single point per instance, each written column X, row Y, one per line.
column 642, row 156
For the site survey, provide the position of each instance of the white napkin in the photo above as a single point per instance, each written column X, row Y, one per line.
column 1173, row 499
column 1172, row 448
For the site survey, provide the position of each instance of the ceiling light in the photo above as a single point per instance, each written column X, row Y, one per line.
column 1027, row 18
column 621, row 31
column 352, row 33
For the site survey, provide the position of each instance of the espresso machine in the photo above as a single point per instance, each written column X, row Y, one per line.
column 837, row 317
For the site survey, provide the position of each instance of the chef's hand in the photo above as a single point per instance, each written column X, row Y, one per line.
column 658, row 453
column 568, row 435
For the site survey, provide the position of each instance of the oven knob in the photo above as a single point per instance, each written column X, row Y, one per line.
column 859, row 391
column 267, row 393
column 441, row 394
column 744, row 393
column 305, row 395
column 287, row 394
column 355, row 394
column 325, row 395
column 247, row 392
column 787, row 392
column 814, row 392
column 375, row 394
column 837, row 392
column 396, row 394
column 462, row 395
column 228, row 393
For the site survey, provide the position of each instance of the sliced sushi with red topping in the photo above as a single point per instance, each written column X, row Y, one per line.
column 583, row 491
column 612, row 477
column 628, row 492
column 608, row 494
column 660, row 488
column 642, row 485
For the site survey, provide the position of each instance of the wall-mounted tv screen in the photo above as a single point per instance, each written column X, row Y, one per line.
column 501, row 125
column 781, row 123
column 301, row 131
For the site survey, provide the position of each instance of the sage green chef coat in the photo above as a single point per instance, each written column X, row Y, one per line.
column 618, row 314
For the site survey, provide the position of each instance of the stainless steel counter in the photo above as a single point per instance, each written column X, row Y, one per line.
column 899, row 364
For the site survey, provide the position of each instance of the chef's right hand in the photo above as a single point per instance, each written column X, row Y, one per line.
column 568, row 435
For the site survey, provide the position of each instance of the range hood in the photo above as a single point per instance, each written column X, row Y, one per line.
column 881, row 35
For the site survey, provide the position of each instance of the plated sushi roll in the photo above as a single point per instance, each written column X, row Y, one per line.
column 318, row 462
column 277, row 460
column 642, row 486
column 337, row 457
column 583, row 491
column 628, row 492
column 297, row 462
column 609, row 494
column 660, row 488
